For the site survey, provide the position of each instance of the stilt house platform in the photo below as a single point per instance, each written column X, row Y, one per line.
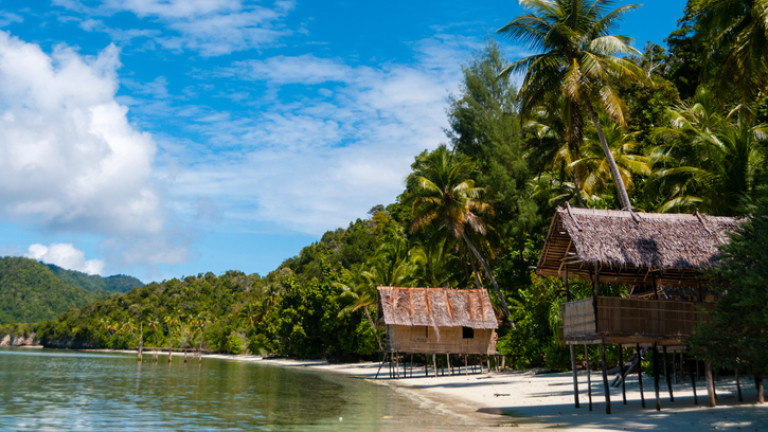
column 659, row 256
column 437, row 321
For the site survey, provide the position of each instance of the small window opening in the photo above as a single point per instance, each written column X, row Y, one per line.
column 468, row 332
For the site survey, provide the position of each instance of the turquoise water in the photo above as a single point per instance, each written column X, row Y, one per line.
column 51, row 390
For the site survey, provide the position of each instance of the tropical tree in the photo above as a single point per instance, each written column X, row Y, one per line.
column 579, row 59
column 708, row 161
column 446, row 194
column 737, row 51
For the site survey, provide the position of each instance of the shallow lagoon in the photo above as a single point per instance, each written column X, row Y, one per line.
column 44, row 390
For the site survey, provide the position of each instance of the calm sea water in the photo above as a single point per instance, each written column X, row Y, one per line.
column 42, row 390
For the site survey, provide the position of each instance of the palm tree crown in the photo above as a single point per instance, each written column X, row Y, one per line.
column 578, row 58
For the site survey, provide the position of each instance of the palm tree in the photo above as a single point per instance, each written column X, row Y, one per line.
column 446, row 194
column 623, row 145
column 737, row 55
column 579, row 59
column 707, row 161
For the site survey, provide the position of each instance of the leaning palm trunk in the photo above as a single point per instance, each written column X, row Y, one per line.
column 504, row 307
column 373, row 325
column 621, row 190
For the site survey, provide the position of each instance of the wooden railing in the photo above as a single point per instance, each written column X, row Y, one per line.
column 631, row 320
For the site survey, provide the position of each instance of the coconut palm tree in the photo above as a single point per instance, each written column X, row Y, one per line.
column 707, row 161
column 737, row 35
column 446, row 194
column 579, row 59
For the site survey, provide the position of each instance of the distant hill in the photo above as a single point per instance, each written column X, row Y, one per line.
column 95, row 283
column 31, row 291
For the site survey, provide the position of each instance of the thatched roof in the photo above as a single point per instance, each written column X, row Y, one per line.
column 436, row 307
column 629, row 247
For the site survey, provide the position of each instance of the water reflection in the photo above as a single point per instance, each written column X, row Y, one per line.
column 56, row 390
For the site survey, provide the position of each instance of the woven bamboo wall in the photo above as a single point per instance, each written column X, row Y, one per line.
column 450, row 340
column 617, row 317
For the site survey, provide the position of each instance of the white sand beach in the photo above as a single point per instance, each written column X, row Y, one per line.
column 545, row 401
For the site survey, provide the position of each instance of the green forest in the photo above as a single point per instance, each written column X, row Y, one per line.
column 595, row 123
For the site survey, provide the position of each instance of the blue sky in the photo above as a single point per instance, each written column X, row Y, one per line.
column 163, row 138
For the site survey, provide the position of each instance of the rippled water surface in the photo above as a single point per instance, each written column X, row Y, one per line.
column 42, row 390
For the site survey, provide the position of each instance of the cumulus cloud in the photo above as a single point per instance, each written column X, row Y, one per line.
column 70, row 160
column 65, row 255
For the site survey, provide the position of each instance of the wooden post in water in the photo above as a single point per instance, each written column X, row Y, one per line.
column 141, row 340
column 640, row 373
column 668, row 375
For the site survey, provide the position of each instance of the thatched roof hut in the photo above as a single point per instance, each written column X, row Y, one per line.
column 627, row 247
column 438, row 320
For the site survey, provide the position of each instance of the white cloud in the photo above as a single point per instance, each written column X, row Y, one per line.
column 70, row 160
column 210, row 27
column 65, row 255
column 317, row 162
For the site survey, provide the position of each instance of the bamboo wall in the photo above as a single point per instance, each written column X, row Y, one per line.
column 631, row 320
column 444, row 340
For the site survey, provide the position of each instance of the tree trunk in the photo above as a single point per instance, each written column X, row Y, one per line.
column 759, row 387
column 373, row 325
column 621, row 190
column 504, row 307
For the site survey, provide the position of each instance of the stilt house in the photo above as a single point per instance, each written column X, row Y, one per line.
column 437, row 320
column 660, row 257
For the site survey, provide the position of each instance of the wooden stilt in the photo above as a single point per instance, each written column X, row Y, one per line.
column 448, row 361
column 411, row 365
column 575, row 376
column 738, row 386
column 710, row 383
column 589, row 376
column 466, row 366
column 607, row 387
column 640, row 374
column 656, row 375
column 434, row 362
column 668, row 375
column 621, row 371
column 426, row 365
column 380, row 366
column 693, row 384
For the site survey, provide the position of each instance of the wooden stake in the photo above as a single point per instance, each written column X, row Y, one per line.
column 640, row 374
column 621, row 371
column 668, row 375
column 710, row 383
column 589, row 377
column 656, row 375
column 604, row 366
column 575, row 377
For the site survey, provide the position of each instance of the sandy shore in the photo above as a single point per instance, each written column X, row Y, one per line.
column 526, row 400
column 546, row 401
